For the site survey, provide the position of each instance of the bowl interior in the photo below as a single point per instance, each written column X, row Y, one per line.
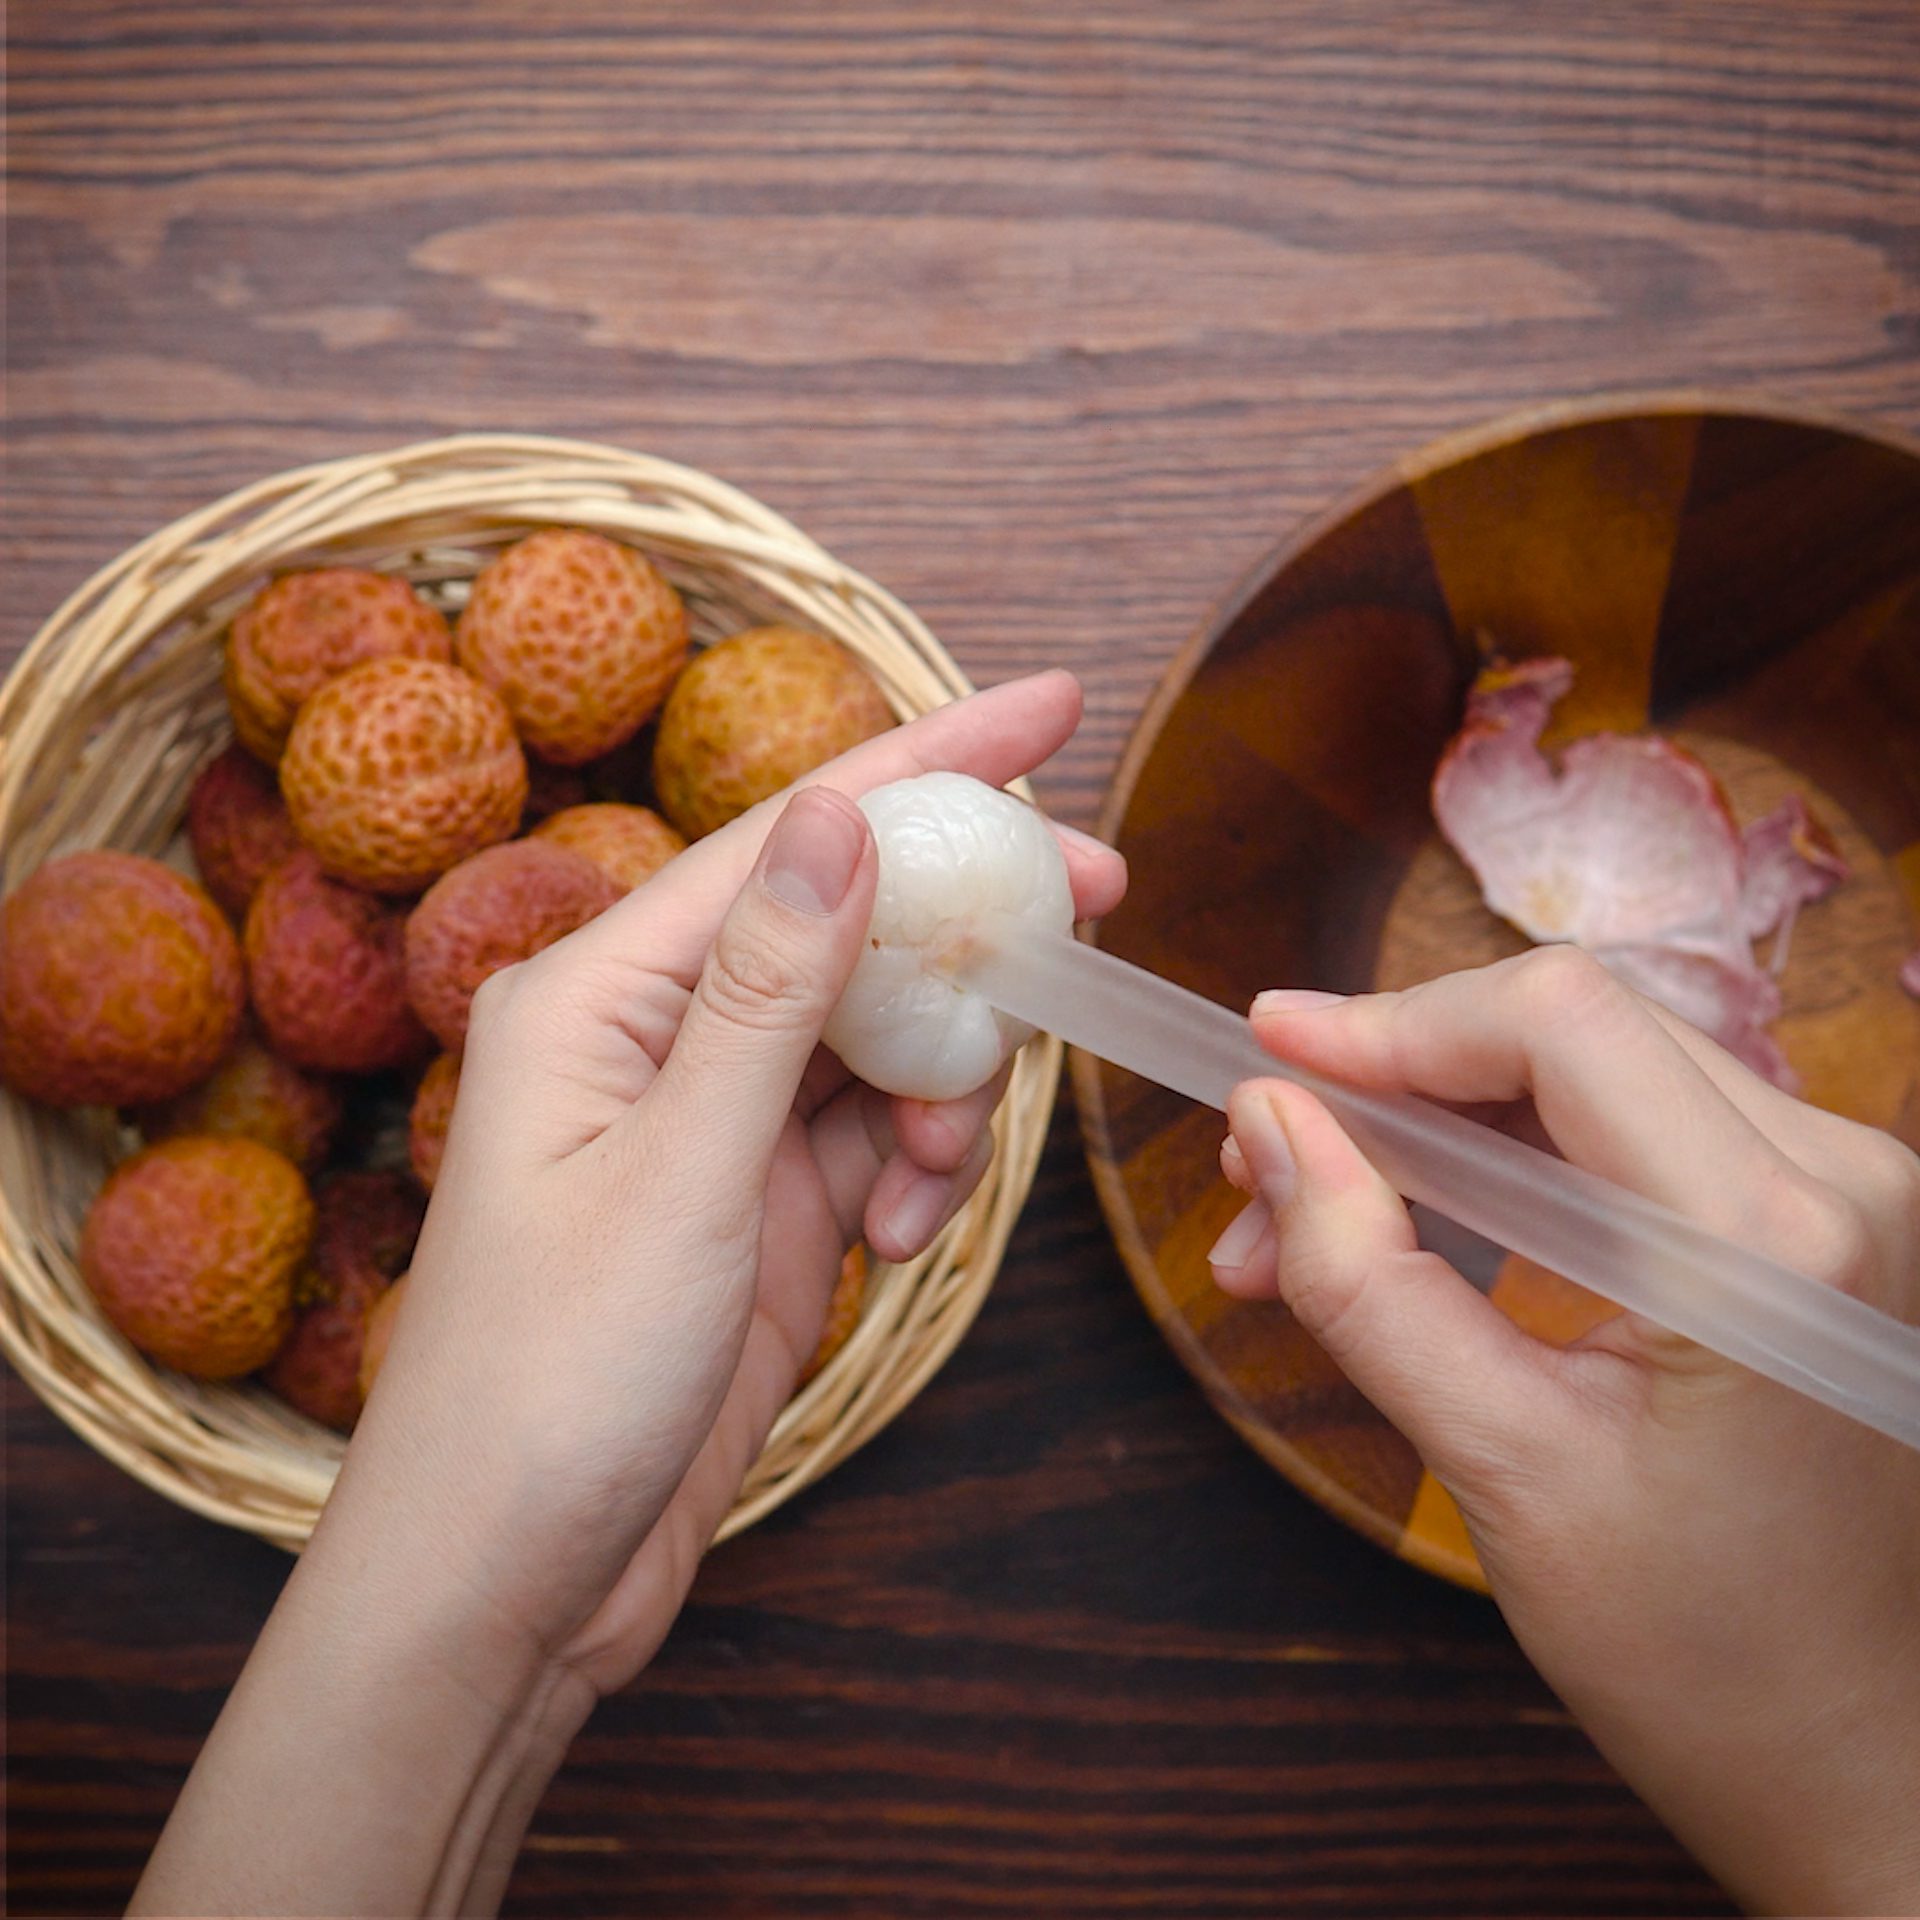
column 1749, row 583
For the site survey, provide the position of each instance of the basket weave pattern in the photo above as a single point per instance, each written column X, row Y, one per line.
column 117, row 704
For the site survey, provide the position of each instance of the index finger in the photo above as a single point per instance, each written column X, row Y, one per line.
column 1614, row 1090
column 996, row 736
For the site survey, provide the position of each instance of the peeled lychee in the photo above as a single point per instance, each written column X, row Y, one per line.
column 191, row 1248
column 628, row 844
column 843, row 1311
column 400, row 768
column 326, row 965
column 950, row 847
column 363, row 1238
column 239, row 827
column 305, row 629
column 379, row 1333
column 500, row 907
column 752, row 714
column 119, row 982
column 432, row 1115
column 578, row 634
column 253, row 1094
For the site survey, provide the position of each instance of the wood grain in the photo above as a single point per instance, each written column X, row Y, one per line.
column 1052, row 319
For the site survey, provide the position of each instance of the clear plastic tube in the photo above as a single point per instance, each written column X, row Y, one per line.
column 1779, row 1322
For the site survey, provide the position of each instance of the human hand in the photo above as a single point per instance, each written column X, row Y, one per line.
column 1720, row 1578
column 651, row 1179
column 652, row 1175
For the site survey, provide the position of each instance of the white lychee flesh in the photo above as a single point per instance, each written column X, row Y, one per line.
column 950, row 848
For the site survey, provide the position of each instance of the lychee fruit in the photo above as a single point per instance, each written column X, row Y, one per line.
column 499, row 907
column 191, row 1249
column 578, row 634
column 363, row 1238
column 843, row 1311
column 253, row 1094
column 379, row 1334
column 400, row 768
column 305, row 629
column 753, row 713
column 119, row 982
column 238, row 826
column 326, row 965
column 628, row 844
column 432, row 1115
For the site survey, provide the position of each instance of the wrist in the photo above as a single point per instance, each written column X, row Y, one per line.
column 383, row 1749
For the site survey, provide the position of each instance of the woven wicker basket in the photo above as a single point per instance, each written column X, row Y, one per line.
column 117, row 704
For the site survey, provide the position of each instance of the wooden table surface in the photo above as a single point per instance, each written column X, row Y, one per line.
column 1052, row 319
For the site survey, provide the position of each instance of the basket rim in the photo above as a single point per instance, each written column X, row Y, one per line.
column 145, row 620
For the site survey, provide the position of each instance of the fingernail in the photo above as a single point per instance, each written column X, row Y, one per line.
column 1075, row 838
column 916, row 1213
column 1234, row 1247
column 1293, row 1000
column 814, row 851
column 1263, row 1141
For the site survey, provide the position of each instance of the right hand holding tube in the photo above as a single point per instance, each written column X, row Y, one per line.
column 1720, row 1578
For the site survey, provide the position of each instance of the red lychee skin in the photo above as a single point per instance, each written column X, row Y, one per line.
column 502, row 906
column 119, row 982
column 431, row 1116
column 326, row 965
column 363, row 1238
column 400, row 768
column 238, row 826
column 253, row 1094
column 628, row 844
column 580, row 636
column 191, row 1249
column 307, row 628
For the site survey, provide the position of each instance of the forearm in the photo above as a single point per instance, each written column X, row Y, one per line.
column 381, row 1753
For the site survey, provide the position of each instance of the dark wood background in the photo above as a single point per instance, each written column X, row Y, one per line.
column 1051, row 318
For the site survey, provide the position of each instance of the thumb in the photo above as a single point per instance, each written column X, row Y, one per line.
column 777, row 966
column 1446, row 1366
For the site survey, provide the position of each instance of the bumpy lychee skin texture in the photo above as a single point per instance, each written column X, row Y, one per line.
column 579, row 635
column 400, row 768
column 239, row 827
column 627, row 844
column 363, row 1237
column 305, row 629
column 502, row 906
column 119, row 982
column 431, row 1116
column 379, row 1333
column 326, row 965
column 751, row 715
column 191, row 1249
column 253, row 1094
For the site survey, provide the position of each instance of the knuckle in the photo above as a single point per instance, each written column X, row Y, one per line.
column 1886, row 1175
column 493, row 1000
column 758, row 983
column 1563, row 983
column 1321, row 1294
column 1821, row 1231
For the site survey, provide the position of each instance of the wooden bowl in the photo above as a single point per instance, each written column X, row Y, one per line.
column 1746, row 579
